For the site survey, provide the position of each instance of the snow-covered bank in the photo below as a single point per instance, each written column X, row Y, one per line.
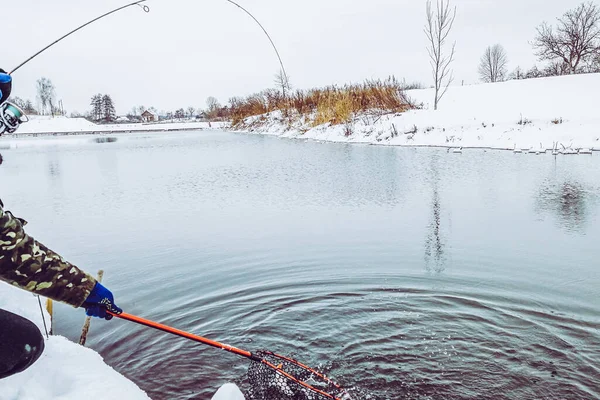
column 64, row 125
column 525, row 114
column 65, row 370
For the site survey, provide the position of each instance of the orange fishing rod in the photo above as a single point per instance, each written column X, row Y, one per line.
column 277, row 369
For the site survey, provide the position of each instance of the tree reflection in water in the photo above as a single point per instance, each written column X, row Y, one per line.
column 435, row 254
column 567, row 200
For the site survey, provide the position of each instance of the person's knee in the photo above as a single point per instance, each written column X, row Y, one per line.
column 21, row 344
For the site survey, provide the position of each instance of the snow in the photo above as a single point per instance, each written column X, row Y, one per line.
column 485, row 115
column 64, row 125
column 66, row 370
column 229, row 391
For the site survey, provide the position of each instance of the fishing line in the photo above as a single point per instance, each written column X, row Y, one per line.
column 268, row 36
column 43, row 317
column 146, row 9
column 135, row 3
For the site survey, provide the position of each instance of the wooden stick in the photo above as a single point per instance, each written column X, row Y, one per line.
column 50, row 309
column 88, row 320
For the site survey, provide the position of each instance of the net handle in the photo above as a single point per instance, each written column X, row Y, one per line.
column 187, row 335
column 226, row 347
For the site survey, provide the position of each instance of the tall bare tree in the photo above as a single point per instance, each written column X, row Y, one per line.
column 575, row 40
column 45, row 93
column 492, row 66
column 438, row 27
column 282, row 82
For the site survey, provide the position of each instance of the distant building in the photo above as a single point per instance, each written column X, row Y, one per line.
column 123, row 119
column 148, row 116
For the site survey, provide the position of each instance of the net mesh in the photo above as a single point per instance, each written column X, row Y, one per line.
column 268, row 383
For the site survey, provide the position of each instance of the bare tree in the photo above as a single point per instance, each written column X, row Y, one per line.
column 180, row 113
column 45, row 94
column 282, row 82
column 492, row 66
column 213, row 107
column 576, row 39
column 438, row 27
column 191, row 111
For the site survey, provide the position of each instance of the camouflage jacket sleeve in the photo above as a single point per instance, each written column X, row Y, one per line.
column 29, row 265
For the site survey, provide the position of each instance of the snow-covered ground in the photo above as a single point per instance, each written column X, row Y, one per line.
column 51, row 125
column 66, row 370
column 525, row 114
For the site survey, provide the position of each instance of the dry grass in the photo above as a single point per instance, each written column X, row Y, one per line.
column 332, row 104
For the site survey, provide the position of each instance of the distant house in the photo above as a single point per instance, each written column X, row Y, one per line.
column 148, row 116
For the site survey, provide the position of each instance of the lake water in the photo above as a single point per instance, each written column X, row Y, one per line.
column 404, row 273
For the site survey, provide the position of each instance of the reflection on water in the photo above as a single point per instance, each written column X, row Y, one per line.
column 54, row 169
column 105, row 139
column 434, row 243
column 567, row 200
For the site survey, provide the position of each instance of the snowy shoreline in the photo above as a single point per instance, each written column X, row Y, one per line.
column 534, row 115
column 65, row 370
column 529, row 116
column 63, row 126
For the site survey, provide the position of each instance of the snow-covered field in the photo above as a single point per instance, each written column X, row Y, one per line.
column 526, row 114
column 63, row 125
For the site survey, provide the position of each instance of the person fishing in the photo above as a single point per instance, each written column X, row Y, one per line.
column 27, row 264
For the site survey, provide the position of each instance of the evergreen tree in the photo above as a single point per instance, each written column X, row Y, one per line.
column 97, row 110
column 108, row 109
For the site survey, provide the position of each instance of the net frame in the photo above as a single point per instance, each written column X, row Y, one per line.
column 272, row 376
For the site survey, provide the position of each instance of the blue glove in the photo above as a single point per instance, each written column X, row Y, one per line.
column 100, row 300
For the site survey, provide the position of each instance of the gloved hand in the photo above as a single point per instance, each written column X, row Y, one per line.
column 100, row 300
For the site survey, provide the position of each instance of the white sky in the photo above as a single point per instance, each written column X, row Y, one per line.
column 186, row 50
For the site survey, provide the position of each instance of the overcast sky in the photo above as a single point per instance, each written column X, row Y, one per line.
column 186, row 50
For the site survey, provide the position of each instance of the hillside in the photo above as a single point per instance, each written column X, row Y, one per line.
column 525, row 114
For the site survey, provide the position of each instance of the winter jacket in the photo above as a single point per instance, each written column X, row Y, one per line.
column 29, row 265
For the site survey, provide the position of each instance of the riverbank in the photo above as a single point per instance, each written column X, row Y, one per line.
column 531, row 115
column 65, row 370
column 46, row 125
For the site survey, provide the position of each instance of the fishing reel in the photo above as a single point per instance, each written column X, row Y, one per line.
column 11, row 116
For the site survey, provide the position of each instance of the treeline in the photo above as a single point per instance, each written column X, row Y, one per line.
column 572, row 46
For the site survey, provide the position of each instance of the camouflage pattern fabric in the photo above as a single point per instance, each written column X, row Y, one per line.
column 29, row 265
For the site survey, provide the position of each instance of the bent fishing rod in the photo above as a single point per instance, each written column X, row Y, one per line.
column 146, row 9
column 135, row 3
column 268, row 369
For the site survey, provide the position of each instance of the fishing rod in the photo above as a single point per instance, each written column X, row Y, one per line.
column 268, row 36
column 270, row 375
column 146, row 9
column 135, row 3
